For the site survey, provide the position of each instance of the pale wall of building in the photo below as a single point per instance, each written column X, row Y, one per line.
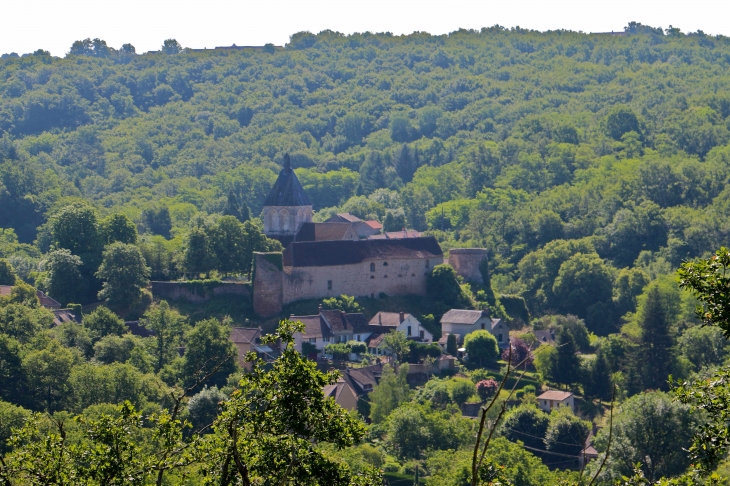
column 398, row 277
column 285, row 220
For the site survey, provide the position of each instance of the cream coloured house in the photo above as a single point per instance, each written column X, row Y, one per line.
column 463, row 322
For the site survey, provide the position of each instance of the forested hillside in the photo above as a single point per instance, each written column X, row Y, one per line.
column 517, row 138
column 589, row 165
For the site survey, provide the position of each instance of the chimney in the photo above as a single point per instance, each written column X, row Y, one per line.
column 402, row 316
column 320, row 308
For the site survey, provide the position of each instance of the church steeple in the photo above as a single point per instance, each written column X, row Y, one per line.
column 287, row 206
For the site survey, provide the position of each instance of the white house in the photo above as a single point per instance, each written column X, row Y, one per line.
column 463, row 322
column 555, row 399
column 384, row 322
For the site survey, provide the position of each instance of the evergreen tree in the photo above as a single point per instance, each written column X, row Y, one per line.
column 598, row 379
column 198, row 257
column 655, row 358
column 233, row 208
column 451, row 344
column 7, row 274
column 565, row 366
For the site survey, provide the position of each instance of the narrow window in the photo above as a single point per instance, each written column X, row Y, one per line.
column 427, row 263
column 329, row 284
column 358, row 338
column 482, row 325
column 421, row 334
column 409, row 330
column 372, row 267
column 499, row 338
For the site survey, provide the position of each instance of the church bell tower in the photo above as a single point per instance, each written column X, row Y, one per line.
column 287, row 206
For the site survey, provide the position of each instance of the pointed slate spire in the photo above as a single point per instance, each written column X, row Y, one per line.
column 287, row 190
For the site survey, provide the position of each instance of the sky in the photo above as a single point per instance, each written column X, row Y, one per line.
column 54, row 25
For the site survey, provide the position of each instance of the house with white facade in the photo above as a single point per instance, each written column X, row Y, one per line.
column 384, row 322
column 463, row 322
column 552, row 399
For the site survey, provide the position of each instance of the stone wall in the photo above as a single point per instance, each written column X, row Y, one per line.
column 393, row 277
column 466, row 262
column 267, row 284
column 198, row 291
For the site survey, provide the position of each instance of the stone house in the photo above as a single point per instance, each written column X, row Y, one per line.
column 330, row 326
column 555, row 399
column 463, row 322
column 249, row 340
column 364, row 229
column 342, row 393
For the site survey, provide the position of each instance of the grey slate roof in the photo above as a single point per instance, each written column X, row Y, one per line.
column 465, row 316
column 349, row 252
column 287, row 190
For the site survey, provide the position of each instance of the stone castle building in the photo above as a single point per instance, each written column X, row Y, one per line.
column 322, row 260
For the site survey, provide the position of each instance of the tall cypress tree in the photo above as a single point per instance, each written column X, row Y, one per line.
column 655, row 354
column 232, row 208
column 565, row 367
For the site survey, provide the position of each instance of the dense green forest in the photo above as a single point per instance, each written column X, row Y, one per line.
column 589, row 165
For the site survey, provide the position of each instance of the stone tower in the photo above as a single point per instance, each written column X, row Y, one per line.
column 287, row 206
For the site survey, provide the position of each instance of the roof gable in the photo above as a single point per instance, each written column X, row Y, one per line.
column 323, row 231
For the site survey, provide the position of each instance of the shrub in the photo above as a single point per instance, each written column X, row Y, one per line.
column 487, row 388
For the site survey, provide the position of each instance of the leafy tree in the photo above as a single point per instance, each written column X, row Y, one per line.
column 527, row 424
column 703, row 346
column 442, row 286
column 487, row 388
column 198, row 255
column 209, row 351
column 168, row 326
column 12, row 376
column 7, row 274
column 73, row 335
column 48, row 371
column 155, row 219
column 565, row 365
column 102, row 322
column 521, row 353
column 204, row 406
column 113, row 348
column 125, row 274
column 11, row 417
column 582, row 281
column 408, row 432
column 481, row 346
column 22, row 322
column 621, row 120
column 227, row 240
column 566, row 433
column 389, row 393
column 345, row 303
column 339, row 351
column 395, row 220
column 65, row 282
column 274, row 441
column 171, row 46
column 117, row 228
column 75, row 228
column 397, row 343
column 461, row 390
column 650, row 429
